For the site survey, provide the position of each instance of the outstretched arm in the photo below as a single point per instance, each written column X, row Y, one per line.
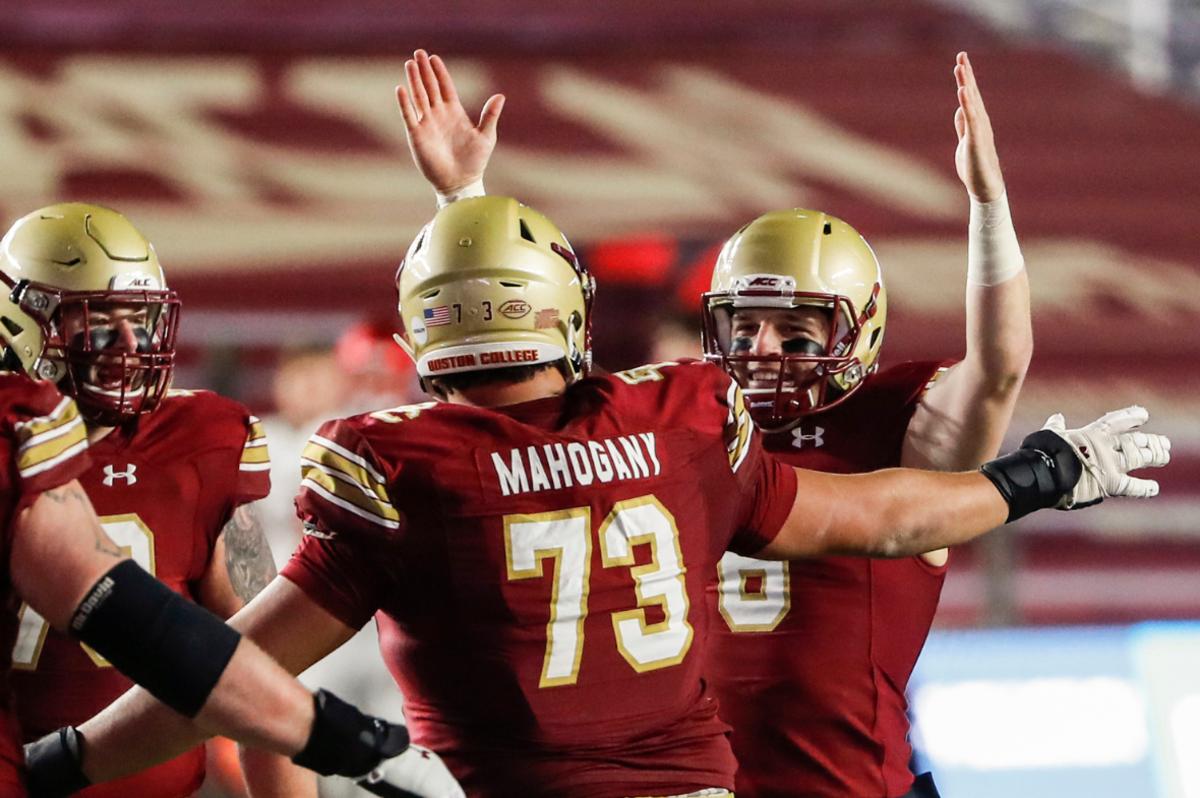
column 136, row 731
column 962, row 418
column 901, row 512
column 450, row 150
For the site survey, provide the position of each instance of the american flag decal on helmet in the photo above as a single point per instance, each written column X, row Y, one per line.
column 435, row 317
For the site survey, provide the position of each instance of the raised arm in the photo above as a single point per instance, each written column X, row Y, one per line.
column 450, row 150
column 962, row 418
column 901, row 512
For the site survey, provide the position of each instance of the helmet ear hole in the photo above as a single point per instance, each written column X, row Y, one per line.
column 10, row 362
column 13, row 328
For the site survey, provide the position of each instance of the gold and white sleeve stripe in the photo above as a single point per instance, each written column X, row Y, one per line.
column 255, row 456
column 46, row 441
column 738, row 427
column 346, row 480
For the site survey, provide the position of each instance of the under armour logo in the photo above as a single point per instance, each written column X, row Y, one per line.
column 817, row 439
column 128, row 475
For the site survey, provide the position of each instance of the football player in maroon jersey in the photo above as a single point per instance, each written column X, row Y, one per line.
column 537, row 544
column 59, row 560
column 796, row 315
column 172, row 475
column 811, row 659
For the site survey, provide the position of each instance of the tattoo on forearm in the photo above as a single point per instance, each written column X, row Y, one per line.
column 73, row 493
column 247, row 555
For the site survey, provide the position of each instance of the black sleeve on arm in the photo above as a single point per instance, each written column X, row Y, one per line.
column 175, row 649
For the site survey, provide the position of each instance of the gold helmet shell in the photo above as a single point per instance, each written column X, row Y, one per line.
column 490, row 283
column 789, row 259
column 73, row 259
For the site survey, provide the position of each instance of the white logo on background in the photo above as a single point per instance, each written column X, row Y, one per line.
column 128, row 475
column 817, row 439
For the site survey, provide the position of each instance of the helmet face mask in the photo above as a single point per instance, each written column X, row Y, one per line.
column 798, row 373
column 111, row 379
column 86, row 308
column 806, row 296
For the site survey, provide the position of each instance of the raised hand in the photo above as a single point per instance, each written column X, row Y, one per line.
column 975, row 159
column 1109, row 448
column 416, row 773
column 447, row 147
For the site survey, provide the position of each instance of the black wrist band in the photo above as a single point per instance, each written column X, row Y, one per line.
column 346, row 742
column 54, row 764
column 1037, row 475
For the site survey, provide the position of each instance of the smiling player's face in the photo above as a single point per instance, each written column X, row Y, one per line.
column 111, row 328
column 769, row 332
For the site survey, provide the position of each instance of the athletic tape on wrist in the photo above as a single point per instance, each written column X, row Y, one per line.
column 177, row 650
column 993, row 254
column 468, row 191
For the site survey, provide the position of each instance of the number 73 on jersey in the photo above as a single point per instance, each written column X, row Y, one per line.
column 564, row 538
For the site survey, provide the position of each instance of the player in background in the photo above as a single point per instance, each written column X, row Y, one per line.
column 537, row 544
column 812, row 658
column 172, row 474
column 796, row 314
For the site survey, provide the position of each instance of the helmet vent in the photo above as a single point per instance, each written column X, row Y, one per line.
column 828, row 228
column 511, row 284
column 878, row 331
column 526, row 233
column 431, row 294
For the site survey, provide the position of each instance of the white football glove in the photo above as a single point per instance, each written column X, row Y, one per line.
column 415, row 773
column 1109, row 448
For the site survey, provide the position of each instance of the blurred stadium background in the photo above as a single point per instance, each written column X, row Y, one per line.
column 258, row 145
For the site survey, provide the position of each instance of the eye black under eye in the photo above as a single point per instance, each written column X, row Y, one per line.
column 802, row 346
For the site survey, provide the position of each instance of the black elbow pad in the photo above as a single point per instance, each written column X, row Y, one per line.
column 175, row 649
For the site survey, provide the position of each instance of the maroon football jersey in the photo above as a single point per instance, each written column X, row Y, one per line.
column 539, row 572
column 810, row 659
column 43, row 444
column 163, row 488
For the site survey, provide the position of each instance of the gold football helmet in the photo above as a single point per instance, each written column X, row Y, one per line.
column 491, row 283
column 66, row 265
column 797, row 259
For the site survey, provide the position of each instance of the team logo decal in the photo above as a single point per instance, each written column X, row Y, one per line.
column 546, row 319
column 515, row 309
column 816, row 439
column 111, row 475
column 765, row 282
